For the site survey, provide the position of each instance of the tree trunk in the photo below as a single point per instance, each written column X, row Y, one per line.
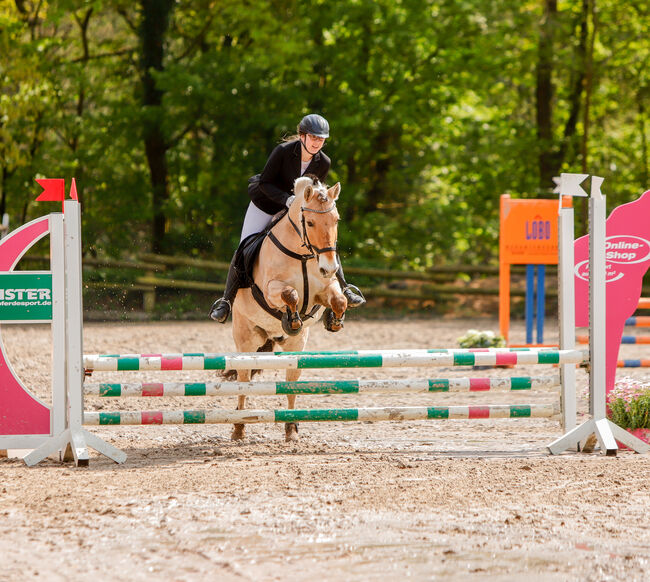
column 544, row 96
column 645, row 171
column 581, row 79
column 3, row 191
column 153, row 28
column 589, row 9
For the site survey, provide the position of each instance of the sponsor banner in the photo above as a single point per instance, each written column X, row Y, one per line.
column 25, row 296
column 620, row 251
column 528, row 231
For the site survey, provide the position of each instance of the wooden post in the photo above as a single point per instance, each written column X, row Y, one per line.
column 149, row 296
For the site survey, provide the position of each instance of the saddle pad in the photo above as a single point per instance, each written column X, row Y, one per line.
column 247, row 252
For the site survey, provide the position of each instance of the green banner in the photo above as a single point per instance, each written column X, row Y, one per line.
column 25, row 296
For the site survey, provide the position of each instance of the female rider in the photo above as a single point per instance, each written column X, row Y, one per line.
column 271, row 191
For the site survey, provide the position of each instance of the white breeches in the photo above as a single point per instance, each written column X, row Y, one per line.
column 255, row 221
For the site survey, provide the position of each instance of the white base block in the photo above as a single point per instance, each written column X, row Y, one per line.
column 15, row 453
column 607, row 434
column 76, row 441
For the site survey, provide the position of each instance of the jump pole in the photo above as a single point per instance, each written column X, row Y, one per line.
column 302, row 361
column 307, row 387
column 393, row 413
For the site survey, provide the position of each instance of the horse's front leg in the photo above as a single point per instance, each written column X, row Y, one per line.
column 248, row 338
column 239, row 430
column 284, row 297
column 293, row 345
column 336, row 306
column 291, row 428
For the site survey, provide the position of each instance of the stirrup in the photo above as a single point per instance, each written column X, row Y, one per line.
column 354, row 296
column 219, row 305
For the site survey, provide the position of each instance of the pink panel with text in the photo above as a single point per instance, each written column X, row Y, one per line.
column 20, row 412
column 628, row 259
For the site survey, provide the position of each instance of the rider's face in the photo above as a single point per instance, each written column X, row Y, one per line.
column 313, row 143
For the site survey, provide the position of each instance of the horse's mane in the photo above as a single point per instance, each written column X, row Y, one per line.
column 314, row 179
column 319, row 187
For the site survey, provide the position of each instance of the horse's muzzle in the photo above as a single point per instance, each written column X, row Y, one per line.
column 327, row 266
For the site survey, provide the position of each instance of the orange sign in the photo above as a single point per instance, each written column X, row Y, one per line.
column 528, row 232
column 528, row 236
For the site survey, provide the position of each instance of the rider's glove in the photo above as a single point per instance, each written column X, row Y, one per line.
column 290, row 200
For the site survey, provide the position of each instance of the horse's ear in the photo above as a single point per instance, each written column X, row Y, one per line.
column 334, row 191
column 309, row 190
column 300, row 185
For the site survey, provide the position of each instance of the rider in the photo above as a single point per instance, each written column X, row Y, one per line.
column 272, row 191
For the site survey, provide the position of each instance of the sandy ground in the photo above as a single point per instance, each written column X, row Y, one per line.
column 429, row 500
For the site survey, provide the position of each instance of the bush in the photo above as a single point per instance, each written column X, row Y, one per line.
column 481, row 339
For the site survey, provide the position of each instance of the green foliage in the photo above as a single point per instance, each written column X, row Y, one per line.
column 432, row 107
column 178, row 306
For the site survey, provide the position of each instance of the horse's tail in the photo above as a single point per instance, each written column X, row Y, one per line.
column 231, row 375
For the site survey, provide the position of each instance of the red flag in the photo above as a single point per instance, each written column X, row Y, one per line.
column 73, row 190
column 53, row 189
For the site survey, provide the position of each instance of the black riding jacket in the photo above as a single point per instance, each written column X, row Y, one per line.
column 270, row 189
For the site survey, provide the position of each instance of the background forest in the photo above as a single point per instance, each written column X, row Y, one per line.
column 162, row 110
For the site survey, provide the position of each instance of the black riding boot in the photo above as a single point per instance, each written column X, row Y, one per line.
column 221, row 308
column 352, row 293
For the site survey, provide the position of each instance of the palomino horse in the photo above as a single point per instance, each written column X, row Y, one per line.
column 294, row 278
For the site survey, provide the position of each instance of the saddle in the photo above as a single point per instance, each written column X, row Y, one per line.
column 244, row 261
column 247, row 252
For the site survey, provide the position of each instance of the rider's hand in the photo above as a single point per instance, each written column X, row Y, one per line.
column 290, row 200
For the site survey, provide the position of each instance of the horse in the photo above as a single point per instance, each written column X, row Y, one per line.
column 294, row 278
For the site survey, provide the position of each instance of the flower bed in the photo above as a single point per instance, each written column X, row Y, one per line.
column 628, row 406
column 481, row 339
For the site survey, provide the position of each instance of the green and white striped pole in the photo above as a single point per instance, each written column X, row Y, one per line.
column 392, row 386
column 378, row 359
column 218, row 416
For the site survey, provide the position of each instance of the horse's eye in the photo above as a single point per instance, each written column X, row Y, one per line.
column 310, row 223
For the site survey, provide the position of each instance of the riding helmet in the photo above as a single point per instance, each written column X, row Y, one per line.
column 315, row 124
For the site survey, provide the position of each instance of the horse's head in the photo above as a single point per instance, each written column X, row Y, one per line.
column 319, row 219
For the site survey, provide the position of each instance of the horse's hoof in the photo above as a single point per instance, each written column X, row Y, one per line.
column 331, row 322
column 291, row 431
column 336, row 327
column 238, row 432
column 291, row 323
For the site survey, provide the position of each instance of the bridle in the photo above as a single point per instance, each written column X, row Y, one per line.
column 304, row 237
